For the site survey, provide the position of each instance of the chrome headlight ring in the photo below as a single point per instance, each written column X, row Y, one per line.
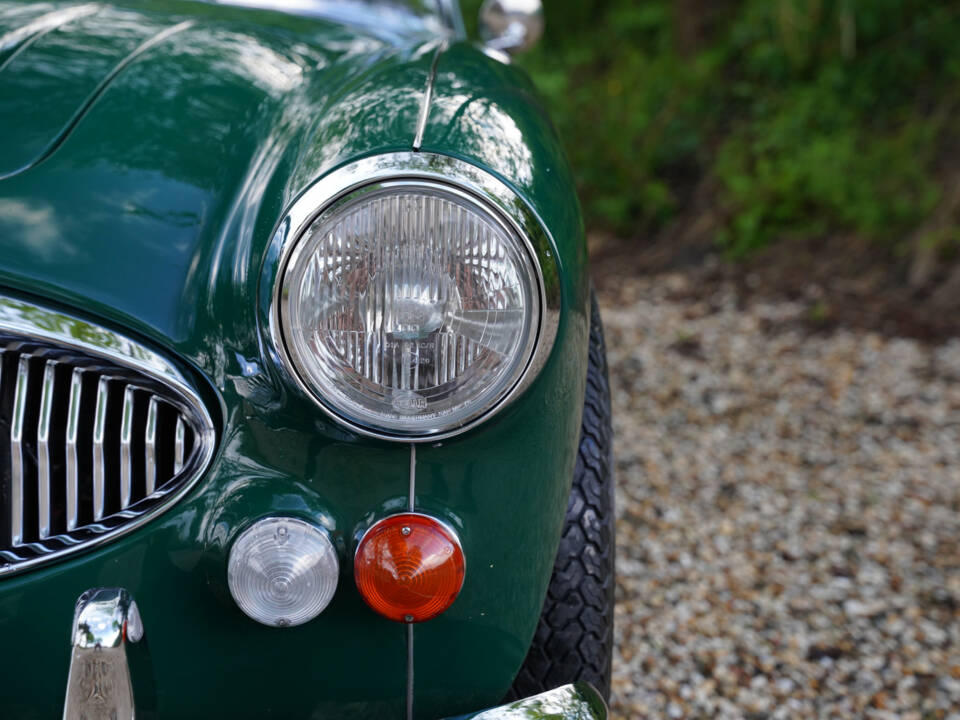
column 412, row 172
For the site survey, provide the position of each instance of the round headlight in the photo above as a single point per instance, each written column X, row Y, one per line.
column 409, row 307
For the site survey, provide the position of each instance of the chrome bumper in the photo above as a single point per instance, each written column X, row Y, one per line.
column 570, row 702
column 106, row 621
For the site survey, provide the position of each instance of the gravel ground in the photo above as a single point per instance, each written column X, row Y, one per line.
column 789, row 511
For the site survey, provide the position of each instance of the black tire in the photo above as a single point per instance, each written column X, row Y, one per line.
column 574, row 639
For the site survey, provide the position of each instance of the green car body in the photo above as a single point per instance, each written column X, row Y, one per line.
column 140, row 191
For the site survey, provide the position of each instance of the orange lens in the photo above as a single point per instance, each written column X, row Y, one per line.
column 409, row 567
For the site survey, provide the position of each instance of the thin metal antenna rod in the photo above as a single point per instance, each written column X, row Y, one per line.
column 413, row 477
column 411, row 505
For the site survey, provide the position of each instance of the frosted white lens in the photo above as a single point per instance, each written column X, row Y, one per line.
column 283, row 571
column 410, row 309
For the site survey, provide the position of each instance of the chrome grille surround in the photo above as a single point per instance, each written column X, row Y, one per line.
column 98, row 434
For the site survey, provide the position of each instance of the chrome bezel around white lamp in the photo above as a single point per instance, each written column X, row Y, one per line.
column 412, row 171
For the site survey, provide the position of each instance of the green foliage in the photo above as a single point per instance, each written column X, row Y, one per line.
column 809, row 116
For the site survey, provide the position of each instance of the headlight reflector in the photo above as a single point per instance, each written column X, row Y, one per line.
column 410, row 307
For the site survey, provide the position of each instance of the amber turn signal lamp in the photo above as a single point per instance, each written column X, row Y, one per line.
column 409, row 567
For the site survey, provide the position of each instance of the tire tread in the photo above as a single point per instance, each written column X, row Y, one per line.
column 574, row 638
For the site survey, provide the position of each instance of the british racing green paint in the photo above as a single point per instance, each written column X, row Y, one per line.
column 153, row 212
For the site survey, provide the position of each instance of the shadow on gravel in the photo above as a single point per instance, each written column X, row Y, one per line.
column 842, row 280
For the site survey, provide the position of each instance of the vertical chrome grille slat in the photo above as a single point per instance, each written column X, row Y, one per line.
column 72, row 463
column 150, row 446
column 44, row 461
column 126, row 457
column 179, row 445
column 17, row 459
column 99, row 448
column 5, row 510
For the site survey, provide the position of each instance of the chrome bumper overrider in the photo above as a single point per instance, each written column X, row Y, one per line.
column 99, row 684
column 106, row 621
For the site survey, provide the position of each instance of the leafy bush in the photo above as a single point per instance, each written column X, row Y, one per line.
column 807, row 116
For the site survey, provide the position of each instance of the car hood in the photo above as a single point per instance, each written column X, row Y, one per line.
column 150, row 149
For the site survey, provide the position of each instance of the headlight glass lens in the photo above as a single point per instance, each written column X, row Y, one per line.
column 410, row 308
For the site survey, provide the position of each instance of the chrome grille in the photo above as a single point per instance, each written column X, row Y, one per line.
column 93, row 438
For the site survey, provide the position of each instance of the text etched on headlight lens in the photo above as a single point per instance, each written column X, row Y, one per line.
column 410, row 307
